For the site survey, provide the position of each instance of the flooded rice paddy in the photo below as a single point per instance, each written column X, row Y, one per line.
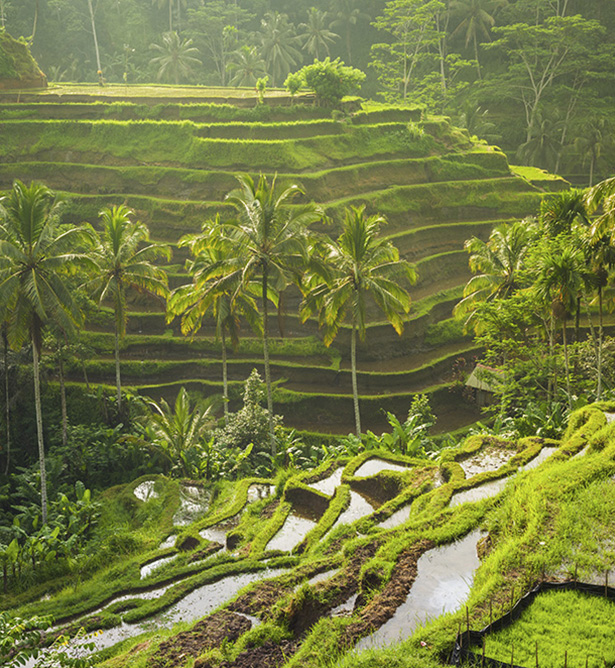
column 375, row 466
column 443, row 582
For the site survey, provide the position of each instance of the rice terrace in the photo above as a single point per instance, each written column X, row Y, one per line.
column 306, row 315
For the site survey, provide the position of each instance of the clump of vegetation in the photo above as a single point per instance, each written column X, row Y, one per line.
column 330, row 80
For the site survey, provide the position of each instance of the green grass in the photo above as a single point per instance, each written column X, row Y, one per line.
column 555, row 623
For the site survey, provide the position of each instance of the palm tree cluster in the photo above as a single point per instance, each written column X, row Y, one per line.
column 43, row 264
column 240, row 268
column 532, row 277
column 274, row 51
column 266, row 247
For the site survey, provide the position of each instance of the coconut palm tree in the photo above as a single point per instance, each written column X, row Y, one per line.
column 279, row 46
column 316, row 37
column 475, row 22
column 561, row 269
column 347, row 15
column 211, row 292
column 124, row 260
column 36, row 262
column 497, row 265
column 247, row 66
column 177, row 58
column 359, row 265
column 269, row 242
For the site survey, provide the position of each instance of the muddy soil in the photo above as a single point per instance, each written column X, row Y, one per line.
column 269, row 655
column 206, row 634
column 383, row 606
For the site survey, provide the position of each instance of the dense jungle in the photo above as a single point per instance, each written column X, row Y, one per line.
column 306, row 317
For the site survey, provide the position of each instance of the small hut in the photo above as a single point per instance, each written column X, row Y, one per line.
column 484, row 380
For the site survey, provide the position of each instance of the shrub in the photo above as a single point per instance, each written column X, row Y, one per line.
column 329, row 79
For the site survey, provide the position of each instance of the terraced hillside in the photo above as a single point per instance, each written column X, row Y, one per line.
column 376, row 551
column 174, row 163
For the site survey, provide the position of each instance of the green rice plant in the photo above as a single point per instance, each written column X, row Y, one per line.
column 558, row 627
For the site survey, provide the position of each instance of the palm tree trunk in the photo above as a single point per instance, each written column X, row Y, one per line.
column 266, row 360
column 95, row 38
column 170, row 15
column 566, row 365
column 63, row 401
column 599, row 389
column 7, row 397
column 118, row 382
column 36, row 4
column 476, row 56
column 39, row 419
column 355, row 390
column 224, row 378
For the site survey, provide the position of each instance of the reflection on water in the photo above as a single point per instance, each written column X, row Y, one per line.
column 443, row 582
column 193, row 503
column 490, row 460
column 145, row 491
column 397, row 518
column 544, row 454
column 485, row 491
column 148, row 569
column 344, row 608
column 329, row 485
column 375, row 466
column 357, row 509
column 294, row 530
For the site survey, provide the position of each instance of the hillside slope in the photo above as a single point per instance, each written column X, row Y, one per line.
column 174, row 163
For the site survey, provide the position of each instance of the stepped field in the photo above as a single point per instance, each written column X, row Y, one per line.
column 173, row 159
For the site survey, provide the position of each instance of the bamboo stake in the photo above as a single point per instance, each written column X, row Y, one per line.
column 468, row 624
column 566, row 659
column 512, row 655
column 483, row 661
column 490, row 614
column 536, row 654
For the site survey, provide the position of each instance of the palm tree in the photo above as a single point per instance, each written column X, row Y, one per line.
column 210, row 291
column 181, row 429
column 279, row 45
column 359, row 265
column 169, row 3
column 269, row 241
column 123, row 263
column 176, row 58
column 347, row 15
column 35, row 263
column 475, row 22
column 560, row 279
column 595, row 135
column 247, row 65
column 316, row 37
column 497, row 265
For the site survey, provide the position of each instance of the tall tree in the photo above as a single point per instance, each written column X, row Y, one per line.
column 360, row 267
column 279, row 46
column 124, row 260
column 212, row 293
column 347, row 15
column 412, row 27
column 95, row 37
column 246, row 66
column 474, row 23
column 177, row 58
column 560, row 266
column 496, row 264
column 539, row 54
column 316, row 37
column 269, row 241
column 36, row 260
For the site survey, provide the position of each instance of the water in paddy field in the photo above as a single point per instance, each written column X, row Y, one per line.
column 490, row 460
column 145, row 491
column 148, row 569
column 169, row 541
column 258, row 491
column 443, row 582
column 357, row 509
column 345, row 608
column 543, row 455
column 397, row 518
column 375, row 466
column 485, row 491
column 192, row 607
column 193, row 503
column 293, row 531
column 329, row 485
